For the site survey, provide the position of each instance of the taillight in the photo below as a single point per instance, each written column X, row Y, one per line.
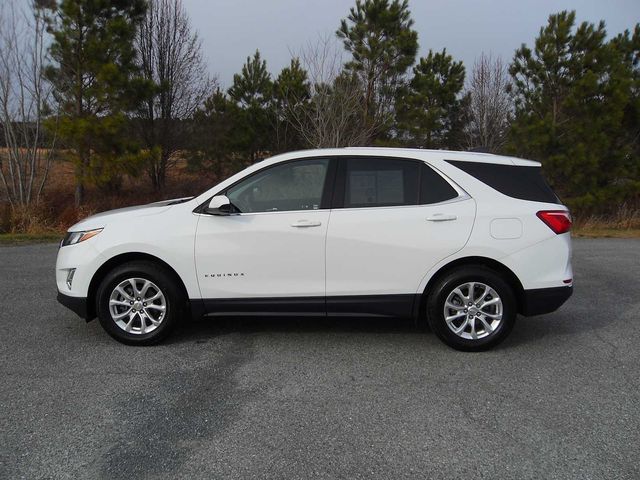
column 557, row 220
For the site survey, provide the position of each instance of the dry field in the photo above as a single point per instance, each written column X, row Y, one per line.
column 56, row 211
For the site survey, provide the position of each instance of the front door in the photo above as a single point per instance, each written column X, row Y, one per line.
column 270, row 257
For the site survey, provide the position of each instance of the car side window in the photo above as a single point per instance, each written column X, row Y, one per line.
column 379, row 182
column 434, row 188
column 286, row 187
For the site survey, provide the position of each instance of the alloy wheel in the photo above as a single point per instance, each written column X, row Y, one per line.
column 137, row 306
column 473, row 310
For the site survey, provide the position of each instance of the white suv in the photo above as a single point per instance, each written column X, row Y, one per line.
column 464, row 240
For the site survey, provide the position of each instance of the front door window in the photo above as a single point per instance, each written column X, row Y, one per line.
column 286, row 187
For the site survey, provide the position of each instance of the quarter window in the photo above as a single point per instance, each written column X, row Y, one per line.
column 525, row 183
column 287, row 187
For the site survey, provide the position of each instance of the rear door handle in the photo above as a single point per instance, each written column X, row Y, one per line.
column 305, row 224
column 439, row 217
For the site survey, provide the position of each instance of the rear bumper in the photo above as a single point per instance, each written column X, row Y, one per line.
column 78, row 305
column 544, row 300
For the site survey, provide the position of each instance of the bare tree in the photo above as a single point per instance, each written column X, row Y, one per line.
column 27, row 148
column 170, row 56
column 490, row 106
column 332, row 113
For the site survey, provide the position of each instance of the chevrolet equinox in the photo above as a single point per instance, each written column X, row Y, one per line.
column 465, row 241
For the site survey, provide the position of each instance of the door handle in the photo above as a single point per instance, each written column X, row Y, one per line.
column 305, row 223
column 439, row 217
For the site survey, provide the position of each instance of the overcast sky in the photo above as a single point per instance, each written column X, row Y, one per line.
column 232, row 29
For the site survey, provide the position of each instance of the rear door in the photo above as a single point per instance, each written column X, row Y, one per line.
column 393, row 219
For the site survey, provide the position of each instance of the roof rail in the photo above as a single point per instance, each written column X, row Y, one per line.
column 480, row 150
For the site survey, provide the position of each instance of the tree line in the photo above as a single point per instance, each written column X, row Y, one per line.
column 122, row 87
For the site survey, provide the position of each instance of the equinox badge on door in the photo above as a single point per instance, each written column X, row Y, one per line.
column 216, row 275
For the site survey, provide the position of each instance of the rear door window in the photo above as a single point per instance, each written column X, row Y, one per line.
column 375, row 182
column 383, row 182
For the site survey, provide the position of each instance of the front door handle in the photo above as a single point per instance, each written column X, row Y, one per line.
column 439, row 217
column 305, row 223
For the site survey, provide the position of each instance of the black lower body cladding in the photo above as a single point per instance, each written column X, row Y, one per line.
column 544, row 300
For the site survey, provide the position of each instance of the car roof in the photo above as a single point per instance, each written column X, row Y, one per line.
column 415, row 153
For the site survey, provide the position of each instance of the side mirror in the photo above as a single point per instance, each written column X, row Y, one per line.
column 220, row 205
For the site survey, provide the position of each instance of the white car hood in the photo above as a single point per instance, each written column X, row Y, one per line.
column 100, row 220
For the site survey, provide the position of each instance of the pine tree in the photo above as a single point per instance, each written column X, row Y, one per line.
column 430, row 107
column 252, row 90
column 253, row 86
column 95, row 81
column 218, row 136
column 292, row 85
column 291, row 92
column 628, row 46
column 574, row 107
column 379, row 36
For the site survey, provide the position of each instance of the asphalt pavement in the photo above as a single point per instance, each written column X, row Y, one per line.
column 319, row 398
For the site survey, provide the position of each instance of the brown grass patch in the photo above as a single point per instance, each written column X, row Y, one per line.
column 623, row 223
column 26, row 239
column 56, row 210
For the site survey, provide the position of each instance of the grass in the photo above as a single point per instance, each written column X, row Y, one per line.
column 594, row 232
column 28, row 238
column 623, row 223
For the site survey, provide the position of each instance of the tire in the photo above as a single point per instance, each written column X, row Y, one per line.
column 136, row 322
column 492, row 322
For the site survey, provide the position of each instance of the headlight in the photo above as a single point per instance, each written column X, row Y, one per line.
column 71, row 238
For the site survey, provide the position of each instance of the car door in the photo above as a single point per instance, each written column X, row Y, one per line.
column 393, row 220
column 270, row 256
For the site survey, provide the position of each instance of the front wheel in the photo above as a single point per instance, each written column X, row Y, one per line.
column 138, row 303
column 471, row 308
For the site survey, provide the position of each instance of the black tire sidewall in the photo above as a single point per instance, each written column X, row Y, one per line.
column 444, row 286
column 157, row 275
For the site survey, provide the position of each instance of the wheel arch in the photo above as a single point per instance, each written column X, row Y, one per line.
column 118, row 260
column 510, row 277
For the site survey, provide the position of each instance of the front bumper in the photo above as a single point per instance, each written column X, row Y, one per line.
column 78, row 305
column 544, row 300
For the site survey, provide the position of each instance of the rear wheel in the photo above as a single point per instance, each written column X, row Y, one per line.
column 471, row 308
column 138, row 303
